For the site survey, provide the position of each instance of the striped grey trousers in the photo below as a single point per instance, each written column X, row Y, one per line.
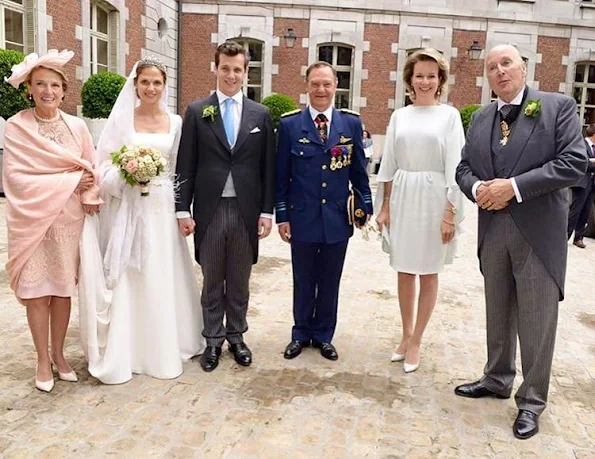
column 226, row 261
column 521, row 299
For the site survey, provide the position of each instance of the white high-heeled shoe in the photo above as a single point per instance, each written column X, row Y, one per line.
column 69, row 377
column 410, row 367
column 397, row 357
column 44, row 386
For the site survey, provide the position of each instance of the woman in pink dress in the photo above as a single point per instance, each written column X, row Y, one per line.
column 49, row 185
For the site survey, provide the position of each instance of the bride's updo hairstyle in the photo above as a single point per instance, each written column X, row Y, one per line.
column 151, row 61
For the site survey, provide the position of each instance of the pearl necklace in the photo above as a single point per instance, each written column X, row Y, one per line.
column 45, row 120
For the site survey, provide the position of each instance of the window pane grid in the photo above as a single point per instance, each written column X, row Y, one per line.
column 100, row 48
column 341, row 58
column 584, row 92
column 252, row 85
column 12, row 26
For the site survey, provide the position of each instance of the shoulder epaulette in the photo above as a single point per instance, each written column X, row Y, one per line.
column 292, row 112
column 351, row 112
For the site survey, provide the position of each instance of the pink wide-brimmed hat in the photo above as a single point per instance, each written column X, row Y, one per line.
column 54, row 59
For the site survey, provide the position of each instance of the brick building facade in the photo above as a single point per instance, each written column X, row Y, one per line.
column 368, row 41
column 105, row 35
column 555, row 37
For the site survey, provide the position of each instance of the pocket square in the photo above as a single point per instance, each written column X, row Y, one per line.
column 255, row 130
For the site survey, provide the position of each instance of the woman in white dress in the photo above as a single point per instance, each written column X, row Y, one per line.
column 141, row 312
column 421, row 204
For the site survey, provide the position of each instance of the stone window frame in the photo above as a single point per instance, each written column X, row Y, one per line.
column 585, row 87
column 18, row 8
column 340, row 69
column 249, row 88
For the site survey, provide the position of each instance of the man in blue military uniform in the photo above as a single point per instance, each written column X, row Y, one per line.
column 319, row 153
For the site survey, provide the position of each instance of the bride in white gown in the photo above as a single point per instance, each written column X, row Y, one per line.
column 139, row 301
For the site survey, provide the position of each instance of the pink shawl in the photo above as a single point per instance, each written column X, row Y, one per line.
column 39, row 177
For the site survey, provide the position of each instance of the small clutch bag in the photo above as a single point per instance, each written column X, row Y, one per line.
column 356, row 211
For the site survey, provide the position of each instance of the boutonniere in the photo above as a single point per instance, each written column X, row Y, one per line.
column 210, row 111
column 533, row 108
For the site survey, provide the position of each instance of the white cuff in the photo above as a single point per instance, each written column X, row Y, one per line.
column 269, row 216
column 183, row 214
column 474, row 189
column 517, row 193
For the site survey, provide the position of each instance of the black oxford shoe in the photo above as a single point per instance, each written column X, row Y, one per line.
column 294, row 348
column 327, row 350
column 241, row 354
column 476, row 389
column 210, row 358
column 526, row 425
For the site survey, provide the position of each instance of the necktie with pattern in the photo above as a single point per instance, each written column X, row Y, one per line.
column 228, row 123
column 505, row 110
column 322, row 126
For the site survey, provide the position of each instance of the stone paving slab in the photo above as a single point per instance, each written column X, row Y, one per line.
column 360, row 406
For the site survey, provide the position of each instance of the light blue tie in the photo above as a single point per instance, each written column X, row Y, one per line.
column 228, row 124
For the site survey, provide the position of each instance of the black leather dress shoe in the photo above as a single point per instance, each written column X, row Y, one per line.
column 210, row 358
column 241, row 354
column 476, row 389
column 294, row 348
column 526, row 425
column 327, row 350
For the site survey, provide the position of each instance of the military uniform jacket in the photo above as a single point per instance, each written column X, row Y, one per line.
column 313, row 177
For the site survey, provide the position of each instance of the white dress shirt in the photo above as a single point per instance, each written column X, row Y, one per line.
column 516, row 101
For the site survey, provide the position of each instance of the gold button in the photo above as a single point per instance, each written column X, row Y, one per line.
column 301, row 153
column 324, row 167
column 324, row 201
column 324, row 184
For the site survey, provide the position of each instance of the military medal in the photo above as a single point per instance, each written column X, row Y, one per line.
column 304, row 140
column 339, row 163
column 505, row 133
column 344, row 139
column 333, row 165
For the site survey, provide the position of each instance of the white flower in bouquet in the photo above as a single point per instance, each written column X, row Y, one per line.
column 139, row 165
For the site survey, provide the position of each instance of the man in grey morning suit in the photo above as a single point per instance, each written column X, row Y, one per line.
column 519, row 176
column 226, row 168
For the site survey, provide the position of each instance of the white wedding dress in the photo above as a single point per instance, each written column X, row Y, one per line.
column 151, row 319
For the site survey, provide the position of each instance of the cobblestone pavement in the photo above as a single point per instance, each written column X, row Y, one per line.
column 359, row 406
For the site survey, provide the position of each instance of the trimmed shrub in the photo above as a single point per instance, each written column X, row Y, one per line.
column 277, row 105
column 99, row 94
column 466, row 113
column 12, row 100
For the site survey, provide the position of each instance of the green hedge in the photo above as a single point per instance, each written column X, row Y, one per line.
column 466, row 113
column 12, row 100
column 99, row 94
column 277, row 105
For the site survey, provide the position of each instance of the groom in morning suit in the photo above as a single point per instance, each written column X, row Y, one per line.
column 518, row 175
column 226, row 168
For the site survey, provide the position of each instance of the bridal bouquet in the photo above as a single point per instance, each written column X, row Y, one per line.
column 139, row 165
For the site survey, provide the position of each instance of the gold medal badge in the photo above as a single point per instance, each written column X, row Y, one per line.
column 333, row 165
column 505, row 129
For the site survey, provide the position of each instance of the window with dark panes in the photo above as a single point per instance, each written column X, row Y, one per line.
column 252, row 86
column 584, row 92
column 12, row 19
column 100, row 39
column 341, row 58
